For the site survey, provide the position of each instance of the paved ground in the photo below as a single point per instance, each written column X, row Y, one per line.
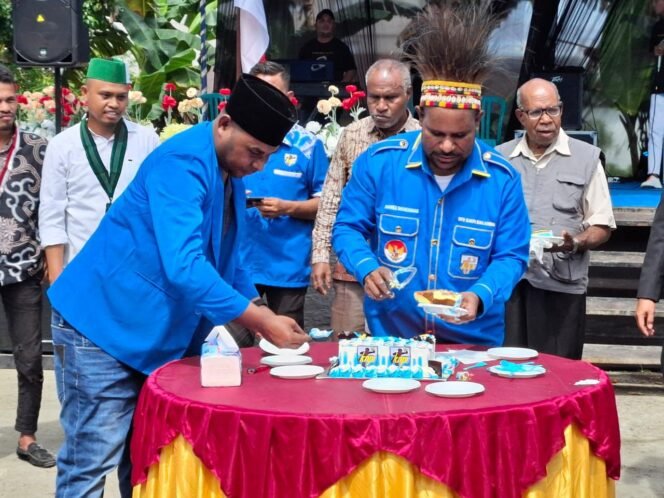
column 641, row 425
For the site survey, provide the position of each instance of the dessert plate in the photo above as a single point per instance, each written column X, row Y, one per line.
column 286, row 359
column 297, row 371
column 507, row 353
column 443, row 309
column 454, row 389
column 270, row 348
column 535, row 372
column 391, row 386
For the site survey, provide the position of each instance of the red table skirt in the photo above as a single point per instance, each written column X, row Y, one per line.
column 260, row 438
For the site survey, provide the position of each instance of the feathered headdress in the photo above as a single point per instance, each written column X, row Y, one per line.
column 448, row 45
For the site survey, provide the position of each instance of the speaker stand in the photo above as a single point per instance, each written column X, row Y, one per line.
column 58, row 99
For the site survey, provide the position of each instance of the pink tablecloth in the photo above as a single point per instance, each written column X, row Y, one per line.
column 270, row 434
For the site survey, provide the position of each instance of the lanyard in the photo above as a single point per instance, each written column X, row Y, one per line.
column 107, row 181
column 10, row 152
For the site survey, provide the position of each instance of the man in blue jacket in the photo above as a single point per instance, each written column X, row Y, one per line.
column 437, row 201
column 161, row 270
column 283, row 201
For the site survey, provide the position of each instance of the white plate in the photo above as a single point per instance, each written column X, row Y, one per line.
column 536, row 372
column 288, row 359
column 297, row 371
column 270, row 348
column 507, row 353
column 389, row 386
column 454, row 389
column 443, row 309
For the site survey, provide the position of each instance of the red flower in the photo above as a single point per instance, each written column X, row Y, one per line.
column 221, row 106
column 294, row 101
column 351, row 88
column 168, row 102
column 68, row 109
column 21, row 99
column 66, row 91
column 66, row 120
column 225, row 91
column 347, row 104
column 359, row 95
column 45, row 98
column 170, row 87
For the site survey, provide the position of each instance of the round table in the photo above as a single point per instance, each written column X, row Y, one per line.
column 273, row 437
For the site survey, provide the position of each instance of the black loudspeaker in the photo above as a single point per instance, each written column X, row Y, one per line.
column 570, row 87
column 50, row 33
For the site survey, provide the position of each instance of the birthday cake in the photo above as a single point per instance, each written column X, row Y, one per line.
column 368, row 357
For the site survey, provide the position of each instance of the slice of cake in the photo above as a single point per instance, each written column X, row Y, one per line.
column 444, row 297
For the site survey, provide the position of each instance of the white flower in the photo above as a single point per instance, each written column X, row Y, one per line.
column 334, row 102
column 49, row 90
column 142, row 100
column 324, row 106
column 192, row 92
column 313, row 127
column 197, row 103
column 135, row 96
column 184, row 106
column 47, row 124
column 333, row 89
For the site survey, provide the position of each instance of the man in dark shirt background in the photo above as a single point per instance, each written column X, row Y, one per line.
column 329, row 48
column 656, row 119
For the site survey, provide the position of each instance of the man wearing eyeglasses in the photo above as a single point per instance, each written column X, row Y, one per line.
column 567, row 194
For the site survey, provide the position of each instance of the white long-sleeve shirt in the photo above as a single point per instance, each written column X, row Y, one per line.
column 72, row 202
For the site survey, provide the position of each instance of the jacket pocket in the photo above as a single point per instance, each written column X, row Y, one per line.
column 397, row 240
column 567, row 268
column 469, row 252
column 568, row 193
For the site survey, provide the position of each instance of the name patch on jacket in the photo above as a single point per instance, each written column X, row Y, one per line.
column 472, row 221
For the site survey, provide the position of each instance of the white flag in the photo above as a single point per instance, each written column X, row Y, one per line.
column 254, row 38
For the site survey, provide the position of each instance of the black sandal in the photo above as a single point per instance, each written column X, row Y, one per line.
column 36, row 455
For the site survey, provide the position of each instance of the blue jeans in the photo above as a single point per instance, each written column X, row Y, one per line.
column 97, row 396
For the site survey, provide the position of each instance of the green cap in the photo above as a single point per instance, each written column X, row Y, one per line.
column 109, row 70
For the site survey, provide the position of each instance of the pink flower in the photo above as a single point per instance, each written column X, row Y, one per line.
column 225, row 92
column 359, row 95
column 294, row 101
column 170, row 87
column 351, row 88
column 347, row 104
column 168, row 102
column 221, row 106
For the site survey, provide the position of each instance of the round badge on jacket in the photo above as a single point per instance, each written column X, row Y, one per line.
column 395, row 251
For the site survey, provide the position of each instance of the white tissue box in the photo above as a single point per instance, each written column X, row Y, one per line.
column 220, row 369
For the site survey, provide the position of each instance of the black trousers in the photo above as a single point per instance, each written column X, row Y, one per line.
column 285, row 301
column 550, row 322
column 23, row 305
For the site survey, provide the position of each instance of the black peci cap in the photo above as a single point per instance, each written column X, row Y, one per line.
column 261, row 110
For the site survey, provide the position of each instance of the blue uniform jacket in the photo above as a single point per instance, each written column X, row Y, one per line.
column 473, row 237
column 158, row 269
column 278, row 250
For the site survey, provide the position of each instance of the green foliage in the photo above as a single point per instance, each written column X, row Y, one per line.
column 164, row 54
column 625, row 66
